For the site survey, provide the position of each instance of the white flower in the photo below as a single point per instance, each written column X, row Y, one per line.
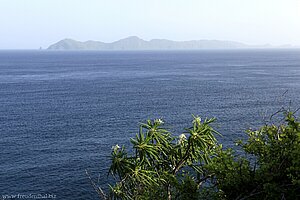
column 197, row 120
column 159, row 121
column 182, row 138
column 116, row 147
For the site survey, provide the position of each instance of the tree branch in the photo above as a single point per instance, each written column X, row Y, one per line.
column 99, row 191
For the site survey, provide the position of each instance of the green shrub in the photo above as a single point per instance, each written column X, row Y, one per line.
column 163, row 166
column 274, row 173
column 194, row 166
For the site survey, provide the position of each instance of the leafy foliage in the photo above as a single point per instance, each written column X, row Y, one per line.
column 163, row 166
column 275, row 171
column 194, row 166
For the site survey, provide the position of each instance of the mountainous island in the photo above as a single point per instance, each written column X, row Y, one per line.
column 136, row 43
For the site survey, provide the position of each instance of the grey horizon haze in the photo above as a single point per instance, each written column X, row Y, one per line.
column 32, row 24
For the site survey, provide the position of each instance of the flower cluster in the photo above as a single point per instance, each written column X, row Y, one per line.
column 197, row 120
column 182, row 138
column 116, row 147
column 158, row 121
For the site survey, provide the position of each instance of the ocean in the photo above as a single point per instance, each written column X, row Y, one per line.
column 62, row 111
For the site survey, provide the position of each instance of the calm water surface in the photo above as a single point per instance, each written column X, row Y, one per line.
column 60, row 112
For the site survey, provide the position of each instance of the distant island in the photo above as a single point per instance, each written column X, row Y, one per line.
column 136, row 43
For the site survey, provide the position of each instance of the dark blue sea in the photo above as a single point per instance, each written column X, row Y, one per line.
column 60, row 112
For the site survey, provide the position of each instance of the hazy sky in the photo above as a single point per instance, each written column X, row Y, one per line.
column 34, row 23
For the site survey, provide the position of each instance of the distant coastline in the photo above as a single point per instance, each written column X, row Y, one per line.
column 136, row 43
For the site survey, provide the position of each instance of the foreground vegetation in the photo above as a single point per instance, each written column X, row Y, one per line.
column 195, row 166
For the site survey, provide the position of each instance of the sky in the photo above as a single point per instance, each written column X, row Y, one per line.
column 30, row 24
